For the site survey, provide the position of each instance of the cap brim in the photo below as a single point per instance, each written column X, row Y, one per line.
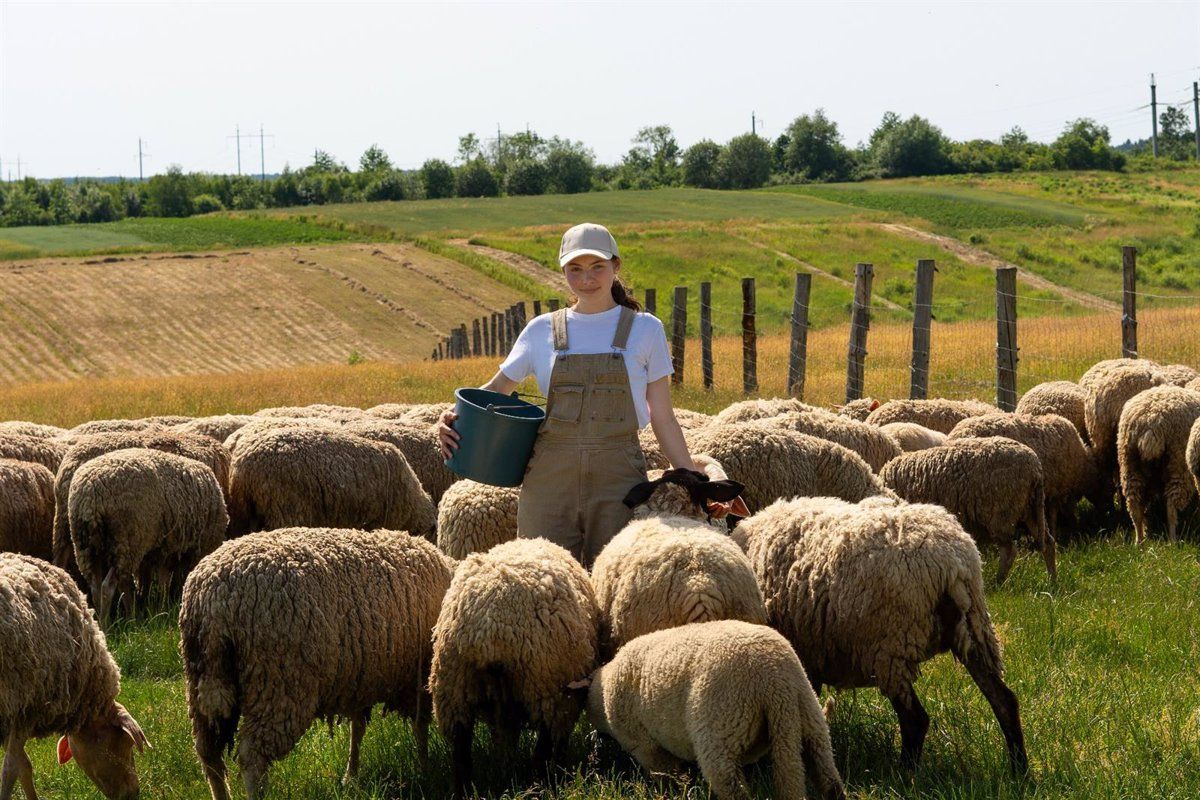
column 567, row 258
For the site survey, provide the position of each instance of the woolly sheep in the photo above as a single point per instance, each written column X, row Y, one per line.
column 859, row 409
column 708, row 692
column 866, row 593
column 1193, row 454
column 47, row 452
column 389, row 410
column 1064, row 398
column 168, row 420
column 315, row 410
column 746, row 410
column 991, row 484
column 1178, row 374
column 425, row 413
column 1068, row 469
column 112, row 426
column 518, row 623
column 655, row 459
column 26, row 508
column 939, row 415
column 200, row 448
column 315, row 476
column 31, row 429
column 475, row 517
column 690, row 420
column 1109, row 385
column 912, row 437
column 57, row 677
column 420, row 447
column 1152, row 440
column 772, row 463
column 877, row 447
column 219, row 427
column 1194, row 385
column 259, row 424
column 707, row 495
column 144, row 515
column 283, row 627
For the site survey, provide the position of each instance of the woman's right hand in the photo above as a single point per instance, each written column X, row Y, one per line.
column 447, row 436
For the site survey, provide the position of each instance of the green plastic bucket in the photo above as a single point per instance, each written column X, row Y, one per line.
column 497, row 433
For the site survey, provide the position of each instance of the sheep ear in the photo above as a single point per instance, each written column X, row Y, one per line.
column 722, row 491
column 127, row 723
column 64, row 750
column 640, row 493
column 874, row 404
column 738, row 508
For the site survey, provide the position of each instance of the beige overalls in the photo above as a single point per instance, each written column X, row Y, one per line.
column 586, row 457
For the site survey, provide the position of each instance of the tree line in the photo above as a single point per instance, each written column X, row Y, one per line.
column 811, row 149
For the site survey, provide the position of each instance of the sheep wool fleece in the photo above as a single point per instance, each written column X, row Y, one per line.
column 586, row 457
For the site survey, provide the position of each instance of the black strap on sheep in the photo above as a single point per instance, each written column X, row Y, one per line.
column 700, row 488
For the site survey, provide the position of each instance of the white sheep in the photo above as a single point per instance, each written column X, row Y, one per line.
column 475, row 517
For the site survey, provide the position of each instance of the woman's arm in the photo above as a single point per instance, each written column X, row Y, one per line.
column 447, row 436
column 666, row 427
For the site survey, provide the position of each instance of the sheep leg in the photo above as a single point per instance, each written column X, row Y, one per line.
column 723, row 773
column 1139, row 522
column 914, row 724
column 1004, row 705
column 421, row 735
column 1008, row 554
column 16, row 766
column 461, row 735
column 1172, row 521
column 657, row 762
column 211, row 755
column 358, row 726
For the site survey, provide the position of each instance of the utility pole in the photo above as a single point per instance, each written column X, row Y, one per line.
column 753, row 123
column 1196, row 111
column 141, row 154
column 262, row 151
column 238, row 135
column 18, row 166
column 1153, row 117
column 499, row 146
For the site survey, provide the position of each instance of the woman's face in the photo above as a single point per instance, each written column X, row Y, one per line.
column 591, row 276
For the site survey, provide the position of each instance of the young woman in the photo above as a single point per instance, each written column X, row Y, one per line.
column 605, row 370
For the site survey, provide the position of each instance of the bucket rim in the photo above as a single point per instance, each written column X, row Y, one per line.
column 508, row 400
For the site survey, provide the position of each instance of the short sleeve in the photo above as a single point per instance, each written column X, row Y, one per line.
column 519, row 364
column 658, row 356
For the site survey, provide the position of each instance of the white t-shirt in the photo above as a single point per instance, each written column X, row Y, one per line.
column 646, row 356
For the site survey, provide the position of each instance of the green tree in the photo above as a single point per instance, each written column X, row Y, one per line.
column 1084, row 144
column 385, row 185
column 569, row 167
column 700, row 165
column 476, row 179
column 324, row 162
column 659, row 145
column 468, row 148
column 779, row 149
column 745, row 162
column 913, row 147
column 815, row 150
column 1175, row 137
column 374, row 160
column 526, row 176
column 438, row 179
column 169, row 195
column 206, row 204
column 889, row 122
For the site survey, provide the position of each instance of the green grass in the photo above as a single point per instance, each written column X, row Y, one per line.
column 1104, row 665
column 144, row 234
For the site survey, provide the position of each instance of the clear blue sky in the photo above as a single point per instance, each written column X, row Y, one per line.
column 80, row 82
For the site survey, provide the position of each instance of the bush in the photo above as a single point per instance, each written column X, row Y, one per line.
column 526, row 176
column 700, row 165
column 206, row 204
column 569, row 170
column 913, row 147
column 387, row 185
column 438, row 178
column 169, row 194
column 475, row 179
column 745, row 163
column 814, row 149
column 1085, row 145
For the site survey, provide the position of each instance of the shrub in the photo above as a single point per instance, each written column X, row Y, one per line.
column 745, row 163
column 569, row 170
column 814, row 148
column 1085, row 145
column 913, row 147
column 206, row 204
column 526, row 176
column 387, row 185
column 476, row 179
column 438, row 178
column 700, row 165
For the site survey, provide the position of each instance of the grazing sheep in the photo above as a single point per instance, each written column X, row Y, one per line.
column 1194, row 385
column 26, row 508
column 315, row 410
column 389, row 410
column 425, row 413
column 939, row 415
column 690, row 420
column 112, row 426
column 199, row 448
column 859, row 409
column 475, row 517
column 420, row 447
column 144, row 515
column 721, row 694
column 876, row 446
column 168, row 420
column 518, row 623
column 991, row 484
column 1063, row 398
column 57, row 677
column 913, row 437
column 772, row 462
column 219, row 427
column 1109, row 385
column 706, row 495
column 284, row 627
column 747, row 410
column 325, row 477
column 47, row 452
column 1178, row 374
column 866, row 593
column 1068, row 469
column 1152, row 440
column 31, row 429
column 260, row 424
column 1193, row 454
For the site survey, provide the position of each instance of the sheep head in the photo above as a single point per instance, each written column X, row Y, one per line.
column 104, row 750
column 704, row 495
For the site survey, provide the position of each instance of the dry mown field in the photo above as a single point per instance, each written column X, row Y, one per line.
column 144, row 315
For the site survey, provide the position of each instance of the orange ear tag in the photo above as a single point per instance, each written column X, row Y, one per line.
column 739, row 508
column 64, row 750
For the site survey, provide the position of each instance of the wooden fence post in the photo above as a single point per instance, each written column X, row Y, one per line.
column 860, row 323
column 508, row 330
column 440, row 354
column 476, row 338
column 1006, row 338
column 706, row 354
column 651, row 302
column 678, row 331
column 1129, row 344
column 798, row 347
column 922, row 314
column 486, row 341
column 537, row 308
column 521, row 318
column 494, row 344
column 749, row 338
column 553, row 303
column 464, row 340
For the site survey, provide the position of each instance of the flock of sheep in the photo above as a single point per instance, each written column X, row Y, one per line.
column 327, row 561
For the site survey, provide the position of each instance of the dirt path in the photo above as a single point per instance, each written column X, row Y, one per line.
column 982, row 258
column 522, row 264
column 883, row 301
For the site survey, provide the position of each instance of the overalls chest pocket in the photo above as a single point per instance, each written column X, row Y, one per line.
column 612, row 398
column 567, row 402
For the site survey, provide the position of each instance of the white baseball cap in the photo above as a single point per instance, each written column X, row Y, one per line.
column 587, row 238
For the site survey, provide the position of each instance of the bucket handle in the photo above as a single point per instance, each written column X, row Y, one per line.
column 495, row 407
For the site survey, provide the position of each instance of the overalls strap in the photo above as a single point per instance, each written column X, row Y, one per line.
column 558, row 324
column 624, row 326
